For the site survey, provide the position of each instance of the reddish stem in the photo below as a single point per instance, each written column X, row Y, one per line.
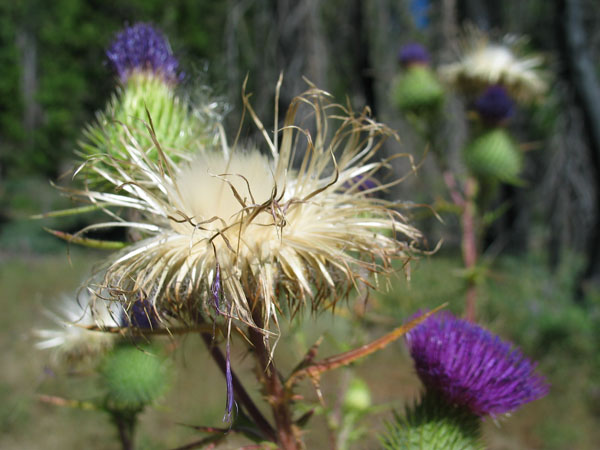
column 469, row 247
column 469, row 235
column 278, row 397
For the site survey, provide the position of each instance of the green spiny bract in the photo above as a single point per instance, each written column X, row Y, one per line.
column 417, row 89
column 180, row 129
column 133, row 377
column 493, row 155
column 433, row 424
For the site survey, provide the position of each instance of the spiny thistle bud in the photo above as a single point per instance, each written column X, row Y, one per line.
column 494, row 106
column 413, row 53
column 493, row 155
column 133, row 377
column 433, row 423
column 358, row 397
column 417, row 89
column 147, row 99
column 472, row 368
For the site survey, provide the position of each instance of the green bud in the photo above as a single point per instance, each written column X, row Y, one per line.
column 133, row 377
column 494, row 155
column 179, row 129
column 358, row 396
column 417, row 89
column 434, row 424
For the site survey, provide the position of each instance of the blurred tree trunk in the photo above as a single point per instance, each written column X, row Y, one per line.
column 29, row 83
column 582, row 74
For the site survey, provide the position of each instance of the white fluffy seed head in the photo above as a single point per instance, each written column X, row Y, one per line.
column 280, row 237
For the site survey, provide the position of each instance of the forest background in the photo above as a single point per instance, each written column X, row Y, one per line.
column 543, row 291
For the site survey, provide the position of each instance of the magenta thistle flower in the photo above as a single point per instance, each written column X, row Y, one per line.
column 473, row 368
column 494, row 105
column 142, row 47
column 413, row 53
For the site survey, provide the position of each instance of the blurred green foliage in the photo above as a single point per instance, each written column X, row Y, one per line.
column 68, row 78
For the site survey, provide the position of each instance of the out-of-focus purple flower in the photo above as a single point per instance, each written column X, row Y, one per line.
column 495, row 104
column 362, row 183
column 471, row 367
column 142, row 47
column 413, row 53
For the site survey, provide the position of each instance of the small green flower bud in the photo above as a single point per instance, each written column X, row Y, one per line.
column 133, row 377
column 358, row 396
column 494, row 155
column 417, row 89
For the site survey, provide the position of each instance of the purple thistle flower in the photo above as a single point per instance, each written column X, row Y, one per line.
column 142, row 47
column 471, row 367
column 495, row 105
column 413, row 53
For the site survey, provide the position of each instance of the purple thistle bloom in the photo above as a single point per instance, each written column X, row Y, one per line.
column 471, row 367
column 494, row 105
column 413, row 53
column 141, row 47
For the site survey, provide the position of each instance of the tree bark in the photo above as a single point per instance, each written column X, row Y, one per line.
column 580, row 71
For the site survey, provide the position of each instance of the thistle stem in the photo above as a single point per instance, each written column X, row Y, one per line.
column 126, row 424
column 277, row 395
column 469, row 247
column 469, row 235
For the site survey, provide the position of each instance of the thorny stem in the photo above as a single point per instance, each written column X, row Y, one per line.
column 240, row 392
column 277, row 395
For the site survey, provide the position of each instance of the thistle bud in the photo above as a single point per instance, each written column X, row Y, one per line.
column 494, row 155
column 133, row 377
column 417, row 88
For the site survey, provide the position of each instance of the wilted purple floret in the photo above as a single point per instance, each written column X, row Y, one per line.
column 141, row 47
column 413, row 53
column 142, row 314
column 471, row 367
column 495, row 104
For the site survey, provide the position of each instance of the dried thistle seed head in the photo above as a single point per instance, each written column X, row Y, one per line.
column 483, row 62
column 71, row 340
column 278, row 237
